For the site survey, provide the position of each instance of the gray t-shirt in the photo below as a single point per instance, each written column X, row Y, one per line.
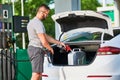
column 34, row 27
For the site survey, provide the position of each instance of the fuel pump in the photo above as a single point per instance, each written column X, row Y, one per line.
column 6, row 54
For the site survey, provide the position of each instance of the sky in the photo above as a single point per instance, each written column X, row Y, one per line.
column 108, row 1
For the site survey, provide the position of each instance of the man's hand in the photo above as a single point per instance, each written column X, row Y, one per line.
column 61, row 44
column 51, row 51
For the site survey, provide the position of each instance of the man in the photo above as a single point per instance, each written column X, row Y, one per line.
column 38, row 40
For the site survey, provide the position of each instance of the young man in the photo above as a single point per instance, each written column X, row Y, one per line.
column 38, row 40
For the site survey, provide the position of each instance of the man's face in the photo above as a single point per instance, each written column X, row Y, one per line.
column 43, row 12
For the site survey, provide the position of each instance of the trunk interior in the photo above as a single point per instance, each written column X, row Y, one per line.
column 60, row 57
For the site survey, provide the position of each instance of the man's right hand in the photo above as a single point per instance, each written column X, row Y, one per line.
column 51, row 50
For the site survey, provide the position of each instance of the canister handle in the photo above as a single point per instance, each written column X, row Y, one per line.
column 76, row 49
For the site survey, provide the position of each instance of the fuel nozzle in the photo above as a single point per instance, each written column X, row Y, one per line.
column 65, row 49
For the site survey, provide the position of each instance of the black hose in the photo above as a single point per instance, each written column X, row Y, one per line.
column 2, row 78
column 6, row 66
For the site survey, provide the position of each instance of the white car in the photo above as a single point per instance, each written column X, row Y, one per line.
column 84, row 30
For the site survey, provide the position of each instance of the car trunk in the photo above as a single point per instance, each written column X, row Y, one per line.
column 60, row 57
column 56, row 71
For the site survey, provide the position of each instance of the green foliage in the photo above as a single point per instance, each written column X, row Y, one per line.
column 49, row 24
column 89, row 4
column 110, row 4
column 30, row 7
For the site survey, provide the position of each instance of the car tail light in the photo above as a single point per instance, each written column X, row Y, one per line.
column 108, row 51
column 99, row 76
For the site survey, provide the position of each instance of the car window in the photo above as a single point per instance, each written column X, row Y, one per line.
column 90, row 36
column 97, row 36
column 116, row 32
column 107, row 37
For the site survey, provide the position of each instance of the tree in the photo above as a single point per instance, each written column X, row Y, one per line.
column 89, row 4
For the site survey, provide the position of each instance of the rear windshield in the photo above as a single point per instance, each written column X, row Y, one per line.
column 85, row 36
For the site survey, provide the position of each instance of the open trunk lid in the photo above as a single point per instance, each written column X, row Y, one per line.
column 85, row 20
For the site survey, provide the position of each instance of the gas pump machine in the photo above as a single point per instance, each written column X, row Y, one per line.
column 7, row 63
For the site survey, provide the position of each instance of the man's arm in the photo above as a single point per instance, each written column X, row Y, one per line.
column 52, row 40
column 44, row 41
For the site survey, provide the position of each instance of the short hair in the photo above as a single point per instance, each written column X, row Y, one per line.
column 43, row 5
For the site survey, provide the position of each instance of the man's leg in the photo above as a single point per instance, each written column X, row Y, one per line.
column 36, row 76
column 37, row 58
